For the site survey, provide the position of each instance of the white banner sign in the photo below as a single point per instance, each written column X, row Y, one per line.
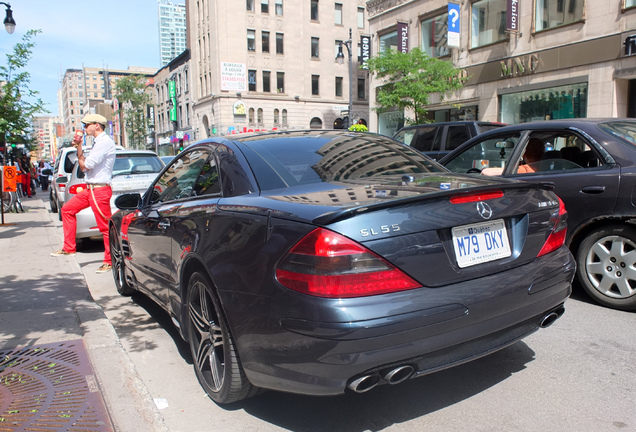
column 233, row 77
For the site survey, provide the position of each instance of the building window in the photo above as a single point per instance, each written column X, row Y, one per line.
column 250, row 115
column 259, row 115
column 338, row 17
column 315, row 52
column 251, row 80
column 338, row 86
column 314, row 10
column 315, row 123
column 488, row 22
column 265, row 41
column 266, row 82
column 362, row 93
column 279, row 7
column 434, row 33
column 284, row 116
column 276, row 116
column 279, row 43
column 388, row 41
column 360, row 17
column 265, row 6
column 315, row 89
column 630, row 3
column 280, row 82
column 550, row 14
column 251, row 40
column 564, row 102
column 250, row 5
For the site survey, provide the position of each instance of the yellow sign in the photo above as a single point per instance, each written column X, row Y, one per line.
column 9, row 179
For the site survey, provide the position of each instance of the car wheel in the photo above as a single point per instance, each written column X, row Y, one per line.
column 606, row 262
column 52, row 203
column 215, row 358
column 119, row 264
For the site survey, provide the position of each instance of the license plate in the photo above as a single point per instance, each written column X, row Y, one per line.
column 480, row 243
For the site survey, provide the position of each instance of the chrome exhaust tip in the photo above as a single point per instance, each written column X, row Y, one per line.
column 550, row 318
column 364, row 383
column 398, row 374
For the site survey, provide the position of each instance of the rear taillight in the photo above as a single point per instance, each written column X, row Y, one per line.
column 326, row 264
column 75, row 189
column 556, row 239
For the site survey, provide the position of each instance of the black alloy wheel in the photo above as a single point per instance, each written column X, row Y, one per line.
column 215, row 358
column 119, row 264
column 606, row 266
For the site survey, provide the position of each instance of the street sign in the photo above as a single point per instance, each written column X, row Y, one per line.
column 9, row 179
column 453, row 25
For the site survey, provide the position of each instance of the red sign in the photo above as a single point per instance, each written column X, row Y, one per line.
column 9, row 179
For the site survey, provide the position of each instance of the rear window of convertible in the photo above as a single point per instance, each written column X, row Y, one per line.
column 287, row 161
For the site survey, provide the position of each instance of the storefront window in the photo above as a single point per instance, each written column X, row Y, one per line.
column 389, row 41
column 488, row 22
column 390, row 122
column 434, row 33
column 562, row 102
column 467, row 113
column 630, row 3
column 550, row 13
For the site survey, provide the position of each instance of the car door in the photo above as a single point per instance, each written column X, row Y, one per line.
column 152, row 234
column 586, row 182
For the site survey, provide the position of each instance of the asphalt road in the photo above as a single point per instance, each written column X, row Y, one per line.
column 577, row 375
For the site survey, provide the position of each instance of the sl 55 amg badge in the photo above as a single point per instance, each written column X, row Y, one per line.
column 384, row 229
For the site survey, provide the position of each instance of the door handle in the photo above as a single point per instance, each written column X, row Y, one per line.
column 164, row 224
column 593, row 190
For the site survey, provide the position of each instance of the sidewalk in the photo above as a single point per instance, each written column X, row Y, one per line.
column 46, row 308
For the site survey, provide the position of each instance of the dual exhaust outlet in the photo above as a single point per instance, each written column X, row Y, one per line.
column 399, row 374
column 364, row 383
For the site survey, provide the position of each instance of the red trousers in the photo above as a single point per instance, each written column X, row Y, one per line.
column 78, row 203
column 26, row 184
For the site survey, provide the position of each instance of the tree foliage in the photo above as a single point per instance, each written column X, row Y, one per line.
column 133, row 101
column 410, row 80
column 18, row 103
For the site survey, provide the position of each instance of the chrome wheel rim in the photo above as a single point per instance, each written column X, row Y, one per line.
column 610, row 266
column 207, row 338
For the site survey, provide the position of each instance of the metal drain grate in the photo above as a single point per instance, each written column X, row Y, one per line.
column 50, row 388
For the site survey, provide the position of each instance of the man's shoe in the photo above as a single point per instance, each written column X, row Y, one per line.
column 61, row 252
column 104, row 268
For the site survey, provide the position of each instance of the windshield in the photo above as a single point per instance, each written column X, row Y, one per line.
column 126, row 164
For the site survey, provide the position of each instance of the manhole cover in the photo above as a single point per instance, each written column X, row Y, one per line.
column 50, row 387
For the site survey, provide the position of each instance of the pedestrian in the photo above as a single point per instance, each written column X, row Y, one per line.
column 25, row 167
column 43, row 175
column 98, row 166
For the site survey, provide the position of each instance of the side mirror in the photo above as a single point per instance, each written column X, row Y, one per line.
column 131, row 201
column 61, row 180
column 47, row 172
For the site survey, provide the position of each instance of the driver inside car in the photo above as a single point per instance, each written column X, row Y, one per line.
column 533, row 153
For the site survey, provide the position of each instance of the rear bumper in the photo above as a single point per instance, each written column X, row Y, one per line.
column 315, row 346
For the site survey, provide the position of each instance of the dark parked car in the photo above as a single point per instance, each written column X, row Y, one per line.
column 318, row 261
column 593, row 166
column 436, row 140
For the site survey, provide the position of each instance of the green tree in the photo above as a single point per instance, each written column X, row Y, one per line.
column 18, row 103
column 410, row 79
column 133, row 102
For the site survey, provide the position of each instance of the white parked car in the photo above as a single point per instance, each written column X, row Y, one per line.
column 134, row 171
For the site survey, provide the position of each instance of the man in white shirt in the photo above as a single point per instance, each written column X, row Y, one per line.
column 98, row 167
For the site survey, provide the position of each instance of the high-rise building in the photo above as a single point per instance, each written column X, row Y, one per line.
column 172, row 30
column 272, row 64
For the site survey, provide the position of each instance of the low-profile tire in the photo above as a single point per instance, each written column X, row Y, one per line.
column 119, row 264
column 606, row 261
column 52, row 202
column 216, row 361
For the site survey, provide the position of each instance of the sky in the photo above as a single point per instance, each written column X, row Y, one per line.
column 112, row 33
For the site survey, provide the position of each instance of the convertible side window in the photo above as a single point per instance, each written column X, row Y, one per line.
column 552, row 152
column 179, row 180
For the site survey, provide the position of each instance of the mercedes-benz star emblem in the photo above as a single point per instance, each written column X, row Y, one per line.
column 484, row 210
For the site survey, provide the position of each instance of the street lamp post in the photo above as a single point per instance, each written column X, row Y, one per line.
column 9, row 22
column 340, row 60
